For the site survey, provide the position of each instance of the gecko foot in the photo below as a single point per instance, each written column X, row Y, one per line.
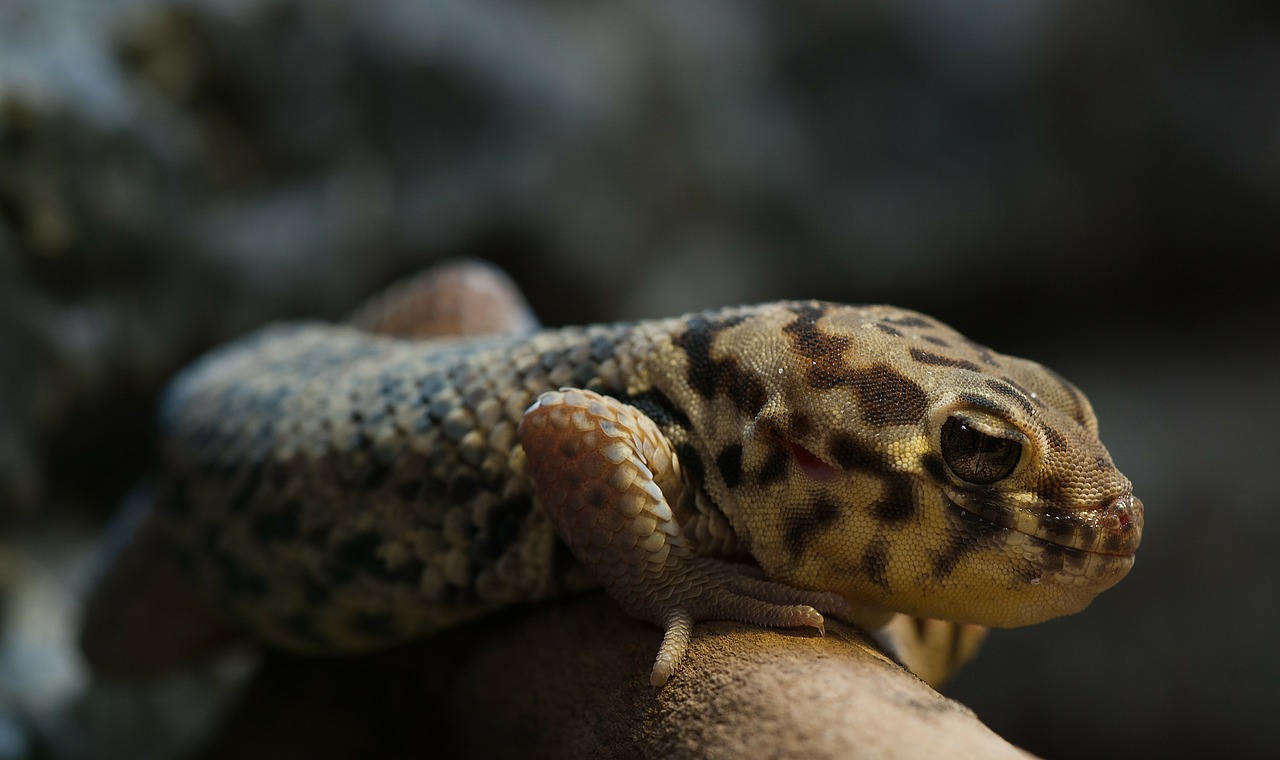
column 709, row 589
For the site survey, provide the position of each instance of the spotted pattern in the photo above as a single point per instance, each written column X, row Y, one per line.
column 1006, row 390
column 875, row 561
column 656, row 406
column 729, row 463
column 938, row 360
column 775, row 466
column 803, row 525
column 711, row 377
column 339, row 491
column 888, row 397
column 691, row 460
column 826, row 365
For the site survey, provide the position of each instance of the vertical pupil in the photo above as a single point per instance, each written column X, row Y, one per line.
column 975, row 456
column 988, row 447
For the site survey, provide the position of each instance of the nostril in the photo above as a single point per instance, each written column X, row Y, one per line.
column 1124, row 513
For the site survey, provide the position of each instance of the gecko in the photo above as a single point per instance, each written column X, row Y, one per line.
column 347, row 487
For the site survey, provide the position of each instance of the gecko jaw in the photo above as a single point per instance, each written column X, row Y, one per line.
column 1113, row 530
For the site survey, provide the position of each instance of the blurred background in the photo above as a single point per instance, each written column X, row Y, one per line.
column 1093, row 185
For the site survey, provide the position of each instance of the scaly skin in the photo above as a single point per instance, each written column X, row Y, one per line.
column 340, row 490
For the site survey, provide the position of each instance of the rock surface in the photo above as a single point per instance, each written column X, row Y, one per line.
column 571, row 680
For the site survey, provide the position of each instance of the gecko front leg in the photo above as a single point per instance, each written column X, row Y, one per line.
column 600, row 469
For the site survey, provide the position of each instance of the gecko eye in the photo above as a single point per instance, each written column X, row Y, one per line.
column 976, row 457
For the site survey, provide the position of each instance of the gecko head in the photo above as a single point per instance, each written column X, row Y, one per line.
column 915, row 471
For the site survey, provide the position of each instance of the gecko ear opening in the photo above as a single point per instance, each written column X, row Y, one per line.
column 810, row 464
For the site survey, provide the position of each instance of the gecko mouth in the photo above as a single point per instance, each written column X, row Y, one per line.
column 1114, row 529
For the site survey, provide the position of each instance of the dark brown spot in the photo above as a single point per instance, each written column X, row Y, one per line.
column 697, row 339
column 1115, row 543
column 1056, row 441
column 932, row 464
column 1008, row 391
column 1026, row 393
column 699, row 336
column 801, row 527
column 709, row 376
column 938, row 360
column 798, row 425
column 935, row 340
column 1028, row 573
column 882, row 327
column 887, row 397
column 978, row 401
column 602, row 348
column 973, row 532
column 656, row 406
column 586, row 374
column 850, row 453
column 774, row 469
column 826, row 367
column 1052, row 557
column 746, row 390
column 504, row 523
column 898, row 503
column 692, row 463
column 1058, row 523
column 597, row 495
column 945, row 563
column 875, row 561
column 1051, row 491
column 729, row 462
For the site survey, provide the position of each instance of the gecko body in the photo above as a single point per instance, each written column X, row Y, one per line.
column 336, row 488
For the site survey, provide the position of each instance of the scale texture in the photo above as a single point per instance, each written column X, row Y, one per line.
column 342, row 488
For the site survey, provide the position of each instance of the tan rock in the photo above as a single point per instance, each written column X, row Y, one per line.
column 571, row 680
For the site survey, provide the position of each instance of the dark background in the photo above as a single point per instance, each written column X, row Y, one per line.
column 1088, row 184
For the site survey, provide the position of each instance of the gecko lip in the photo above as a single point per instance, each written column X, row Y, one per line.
column 1115, row 529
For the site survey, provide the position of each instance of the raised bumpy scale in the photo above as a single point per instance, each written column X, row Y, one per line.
column 339, row 488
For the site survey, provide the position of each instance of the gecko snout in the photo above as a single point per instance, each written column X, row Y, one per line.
column 1121, row 522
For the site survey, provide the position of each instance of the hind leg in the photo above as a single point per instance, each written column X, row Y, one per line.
column 458, row 298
